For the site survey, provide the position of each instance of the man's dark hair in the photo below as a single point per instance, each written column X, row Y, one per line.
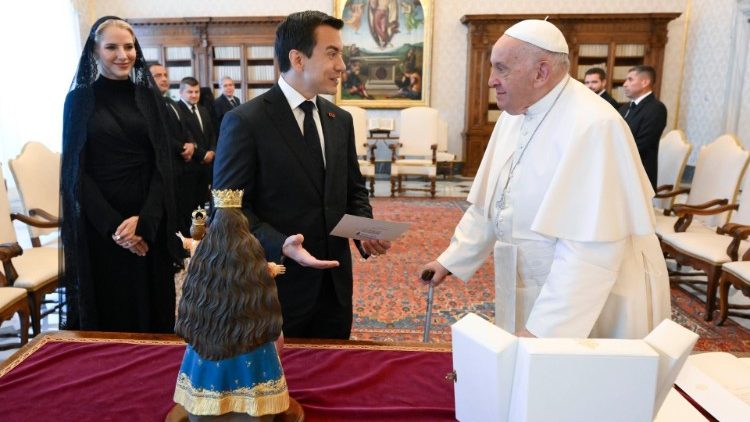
column 597, row 71
column 648, row 70
column 188, row 81
column 297, row 32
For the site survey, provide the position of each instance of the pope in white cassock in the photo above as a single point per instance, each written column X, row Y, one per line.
column 562, row 199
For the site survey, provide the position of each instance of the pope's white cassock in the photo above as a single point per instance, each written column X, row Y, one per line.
column 573, row 229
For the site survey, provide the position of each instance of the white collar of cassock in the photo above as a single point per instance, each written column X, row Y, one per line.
column 540, row 107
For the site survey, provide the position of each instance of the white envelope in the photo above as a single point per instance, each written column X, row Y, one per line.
column 362, row 228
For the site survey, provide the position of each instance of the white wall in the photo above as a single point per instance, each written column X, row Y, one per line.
column 40, row 54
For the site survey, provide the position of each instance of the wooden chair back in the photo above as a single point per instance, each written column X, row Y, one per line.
column 36, row 171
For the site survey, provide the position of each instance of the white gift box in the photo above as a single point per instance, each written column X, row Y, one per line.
column 584, row 380
column 673, row 343
column 720, row 383
column 483, row 358
column 500, row 377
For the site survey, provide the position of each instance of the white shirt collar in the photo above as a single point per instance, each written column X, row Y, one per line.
column 639, row 99
column 293, row 97
column 545, row 102
column 189, row 106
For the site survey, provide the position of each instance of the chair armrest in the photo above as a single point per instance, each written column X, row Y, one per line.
column 686, row 212
column 739, row 232
column 8, row 251
column 371, row 149
column 34, row 221
column 681, row 209
column 664, row 188
column 393, row 147
column 38, row 212
column 671, row 193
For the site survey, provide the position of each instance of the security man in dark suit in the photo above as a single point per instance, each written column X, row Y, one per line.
column 293, row 153
column 197, row 175
column 595, row 79
column 646, row 116
column 181, row 145
column 226, row 101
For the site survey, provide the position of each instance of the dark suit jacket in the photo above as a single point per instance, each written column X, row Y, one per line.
column 205, row 140
column 262, row 150
column 178, row 134
column 608, row 98
column 222, row 106
column 647, row 122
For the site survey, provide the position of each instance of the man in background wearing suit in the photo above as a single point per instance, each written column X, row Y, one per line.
column 226, row 101
column 595, row 79
column 293, row 153
column 181, row 145
column 197, row 175
column 646, row 116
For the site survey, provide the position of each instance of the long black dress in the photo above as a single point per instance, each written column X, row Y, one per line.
column 119, row 178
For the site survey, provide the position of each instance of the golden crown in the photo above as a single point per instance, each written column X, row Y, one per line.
column 227, row 198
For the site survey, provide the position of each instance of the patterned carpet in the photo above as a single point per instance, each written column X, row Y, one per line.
column 390, row 303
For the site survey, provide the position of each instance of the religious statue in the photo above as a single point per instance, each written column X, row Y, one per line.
column 230, row 316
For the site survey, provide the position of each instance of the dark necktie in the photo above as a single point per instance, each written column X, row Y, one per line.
column 312, row 140
column 197, row 116
column 231, row 102
column 631, row 108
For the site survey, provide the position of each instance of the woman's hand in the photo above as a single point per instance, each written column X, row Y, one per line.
column 125, row 237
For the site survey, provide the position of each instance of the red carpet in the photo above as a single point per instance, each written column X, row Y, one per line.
column 390, row 303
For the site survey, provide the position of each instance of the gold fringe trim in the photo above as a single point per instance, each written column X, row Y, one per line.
column 268, row 398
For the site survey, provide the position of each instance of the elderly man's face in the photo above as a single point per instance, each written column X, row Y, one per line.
column 512, row 75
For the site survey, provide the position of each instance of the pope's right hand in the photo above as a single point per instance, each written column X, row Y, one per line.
column 439, row 271
column 293, row 249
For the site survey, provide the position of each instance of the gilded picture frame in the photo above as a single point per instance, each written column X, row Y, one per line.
column 387, row 51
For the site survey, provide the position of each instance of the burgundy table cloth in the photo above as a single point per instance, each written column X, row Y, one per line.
column 64, row 378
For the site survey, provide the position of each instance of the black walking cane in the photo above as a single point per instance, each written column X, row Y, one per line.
column 427, row 276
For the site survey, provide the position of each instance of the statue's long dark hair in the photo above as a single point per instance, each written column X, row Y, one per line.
column 229, row 301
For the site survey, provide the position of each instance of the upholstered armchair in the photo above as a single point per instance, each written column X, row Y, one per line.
column 415, row 153
column 708, row 251
column 674, row 151
column 365, row 152
column 36, row 172
column 34, row 269
column 737, row 274
column 716, row 181
column 445, row 159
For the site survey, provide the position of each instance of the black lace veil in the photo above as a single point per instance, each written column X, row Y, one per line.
column 77, row 298
column 88, row 71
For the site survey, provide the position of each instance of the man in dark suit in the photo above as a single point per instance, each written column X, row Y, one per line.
column 226, row 101
column 197, row 175
column 646, row 116
column 181, row 145
column 595, row 79
column 293, row 153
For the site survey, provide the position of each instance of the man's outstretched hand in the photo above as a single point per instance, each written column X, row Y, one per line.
column 293, row 249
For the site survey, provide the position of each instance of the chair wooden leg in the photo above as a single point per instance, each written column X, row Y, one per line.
column 35, row 307
column 432, row 187
column 400, row 188
column 712, row 274
column 372, row 186
column 724, row 284
column 393, row 186
column 23, row 316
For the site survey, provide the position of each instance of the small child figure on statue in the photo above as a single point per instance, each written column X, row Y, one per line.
column 230, row 317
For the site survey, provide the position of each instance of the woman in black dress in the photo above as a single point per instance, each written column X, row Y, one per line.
column 119, row 247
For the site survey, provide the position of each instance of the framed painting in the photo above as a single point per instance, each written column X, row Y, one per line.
column 387, row 46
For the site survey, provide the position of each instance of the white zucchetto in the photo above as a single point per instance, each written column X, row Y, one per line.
column 540, row 33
